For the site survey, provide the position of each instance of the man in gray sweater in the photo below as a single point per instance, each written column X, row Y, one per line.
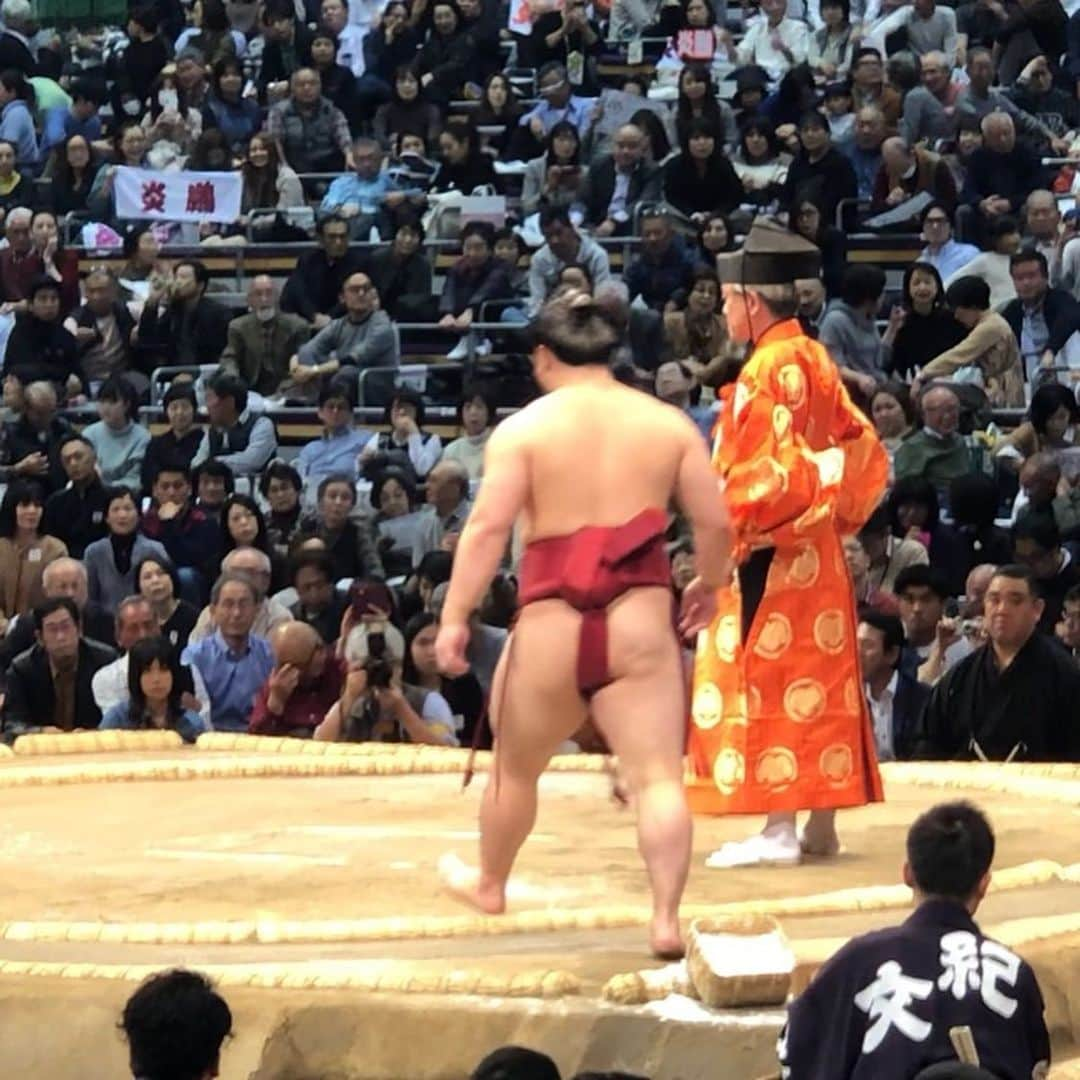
column 364, row 337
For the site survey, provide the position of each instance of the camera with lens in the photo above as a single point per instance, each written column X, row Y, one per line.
column 377, row 667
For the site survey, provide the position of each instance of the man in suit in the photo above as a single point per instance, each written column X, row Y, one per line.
column 619, row 182
column 896, row 700
column 48, row 686
column 262, row 341
column 15, row 50
column 1042, row 318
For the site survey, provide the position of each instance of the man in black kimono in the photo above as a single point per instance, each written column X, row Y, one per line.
column 882, row 1007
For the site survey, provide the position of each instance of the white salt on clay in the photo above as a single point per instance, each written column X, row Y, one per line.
column 733, row 955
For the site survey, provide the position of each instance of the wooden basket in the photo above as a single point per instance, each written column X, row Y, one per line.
column 730, row 989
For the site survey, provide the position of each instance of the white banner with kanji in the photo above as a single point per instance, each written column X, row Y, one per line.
column 177, row 196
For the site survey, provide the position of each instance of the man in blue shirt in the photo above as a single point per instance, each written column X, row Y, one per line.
column 81, row 118
column 233, row 662
column 942, row 252
column 336, row 450
column 365, row 195
column 557, row 103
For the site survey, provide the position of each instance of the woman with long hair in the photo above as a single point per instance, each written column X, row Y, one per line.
column 701, row 180
column 17, row 106
column 211, row 33
column 406, row 113
column 398, row 520
column 226, row 109
column 268, row 182
column 698, row 336
column 462, row 694
column 156, row 579
column 242, row 525
column 463, row 166
column 716, row 236
column 447, row 57
column 657, row 143
column 1051, row 425
column 929, row 328
column 698, row 101
column 557, row 177
column 156, row 689
column 111, row 561
column 806, row 219
column 760, row 162
column 24, row 550
column 73, row 174
column 130, row 145
column 498, row 108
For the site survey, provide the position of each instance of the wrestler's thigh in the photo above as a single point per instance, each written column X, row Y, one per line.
column 534, row 694
column 642, row 713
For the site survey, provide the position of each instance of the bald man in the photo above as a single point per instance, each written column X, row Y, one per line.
column 447, row 510
column 304, row 685
column 261, row 342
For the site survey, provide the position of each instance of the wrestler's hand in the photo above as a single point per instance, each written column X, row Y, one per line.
column 450, row 648
column 698, row 608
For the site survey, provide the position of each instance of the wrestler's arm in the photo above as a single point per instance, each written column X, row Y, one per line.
column 487, row 532
column 699, row 494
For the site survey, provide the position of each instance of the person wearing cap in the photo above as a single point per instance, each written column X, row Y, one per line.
column 779, row 723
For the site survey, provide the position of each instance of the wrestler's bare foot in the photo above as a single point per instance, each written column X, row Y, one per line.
column 463, row 882
column 665, row 939
column 819, row 837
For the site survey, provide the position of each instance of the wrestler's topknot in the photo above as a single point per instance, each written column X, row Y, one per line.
column 577, row 328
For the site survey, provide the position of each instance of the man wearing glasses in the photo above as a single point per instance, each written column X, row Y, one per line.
column 942, row 252
column 557, row 102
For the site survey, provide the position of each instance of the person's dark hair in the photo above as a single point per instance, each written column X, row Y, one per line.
column 710, row 109
column 813, row 118
column 435, row 567
column 485, row 392
column 759, row 125
column 973, row 500
column 280, row 470
column 179, row 390
column 15, row 82
column 63, row 173
column 509, row 234
column 922, row 268
column 1039, row 527
column 901, row 393
column 140, row 657
column 844, row 5
column 223, row 66
column 968, row 292
column 880, row 521
column 406, row 395
column 999, row 227
column 1018, row 572
column 515, row 1063
column 710, row 8
column 165, row 564
column 1047, row 400
column 863, row 53
column 116, row 494
column 213, row 467
column 335, row 391
column 914, row 489
column 410, row 221
column 210, row 142
column 198, row 268
column 935, row 206
column 461, row 130
column 902, row 73
column 576, row 328
column 19, row 493
column 563, row 127
column 42, row 283
column 117, row 388
column 452, row 5
column 312, row 560
column 51, row 606
column 225, row 384
column 555, row 215
column 1028, row 255
column 697, row 128
column 653, row 128
column 175, row 1024
column 921, row 576
column 329, row 219
column 950, row 849
column 862, row 283
column 392, row 472
column 336, row 478
column 797, row 91
column 228, row 543
column 484, row 229
column 890, row 627
column 146, row 16
column 420, row 621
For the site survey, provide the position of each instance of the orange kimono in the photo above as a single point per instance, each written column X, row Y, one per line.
column 778, row 718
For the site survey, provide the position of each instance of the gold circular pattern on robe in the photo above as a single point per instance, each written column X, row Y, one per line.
column 837, row 764
column 851, row 696
column 727, row 638
column 829, row 634
column 792, row 386
column 729, row 770
column 774, row 638
column 708, row 707
column 803, row 570
column 777, row 768
column 804, row 700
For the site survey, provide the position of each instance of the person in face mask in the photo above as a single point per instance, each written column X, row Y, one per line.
column 261, row 342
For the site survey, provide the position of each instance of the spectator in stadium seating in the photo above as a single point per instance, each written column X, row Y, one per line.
column 339, row 84
column 869, row 86
column 16, row 118
column 398, row 519
column 154, row 697
column 1034, row 92
column 889, row 554
column 311, row 133
column 665, row 266
column 365, row 196
column 463, row 694
column 48, row 686
column 805, row 218
column 447, row 510
column 864, row 150
column 304, row 684
column 48, row 258
column 928, row 108
column 233, row 660
column 25, row 551
column 557, row 176
column 973, row 502
column 701, row 179
column 563, row 246
column 914, row 508
column 850, row 333
column 401, row 272
column 18, row 268
column 133, row 68
column 481, row 22
column 318, row 603
column 992, row 265
column 237, row 117
column 463, row 166
column 819, row 173
column 1042, row 318
column 1038, row 547
column 406, row 443
column 255, row 566
column 474, row 279
column 1052, row 416
column 908, row 171
column 235, row 436
column 129, row 148
column 407, row 113
column 210, row 32
column 933, row 643
column 571, row 39
column 698, row 335
column 810, row 294
column 242, row 524
column 110, row 561
column 176, row 445
column 214, row 482
column 1040, row 480
column 928, row 327
column 1015, row 698
column 775, row 42
column 76, row 514
column 190, row 537
column 1068, row 630
column 102, row 328
column 698, row 101
column 335, row 452
column 896, row 700
column 867, row 595
column 313, row 289
column 929, row 27
column 30, row 443
column 558, row 102
column 39, row 348
column 476, row 414
column 281, row 485
column 119, row 440
column 619, row 182
column 387, row 47
column 1043, row 230
column 675, row 383
column 261, row 343
column 988, row 346
column 936, row 451
column 16, row 188
column 947, row 255
column 286, row 49
column 180, row 324
column 446, row 57
column 350, row 542
column 760, row 162
column 364, row 337
column 158, row 580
